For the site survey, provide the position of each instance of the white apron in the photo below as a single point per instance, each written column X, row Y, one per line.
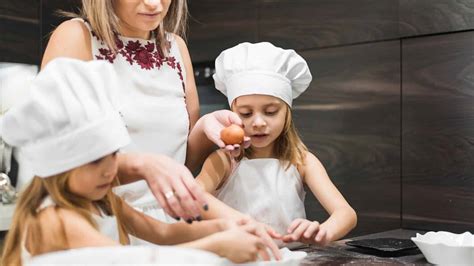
column 107, row 226
column 265, row 190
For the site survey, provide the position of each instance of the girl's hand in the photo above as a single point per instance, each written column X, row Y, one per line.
column 227, row 224
column 214, row 122
column 261, row 230
column 239, row 246
column 265, row 232
column 302, row 230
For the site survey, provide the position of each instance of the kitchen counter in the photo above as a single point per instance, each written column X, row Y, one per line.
column 339, row 253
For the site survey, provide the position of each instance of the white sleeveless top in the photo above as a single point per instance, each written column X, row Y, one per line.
column 153, row 109
column 107, row 226
column 265, row 190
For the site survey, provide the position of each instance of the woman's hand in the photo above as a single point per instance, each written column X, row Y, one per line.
column 214, row 122
column 171, row 182
column 308, row 232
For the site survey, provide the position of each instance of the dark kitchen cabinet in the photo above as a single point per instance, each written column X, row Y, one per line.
column 438, row 132
column 19, row 31
column 218, row 25
column 308, row 24
column 350, row 119
column 420, row 17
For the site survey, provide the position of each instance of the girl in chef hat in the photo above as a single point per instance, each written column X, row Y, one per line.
column 260, row 82
column 70, row 131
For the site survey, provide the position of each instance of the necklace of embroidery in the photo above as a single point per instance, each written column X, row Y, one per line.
column 146, row 56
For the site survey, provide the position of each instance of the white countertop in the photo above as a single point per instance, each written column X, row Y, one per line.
column 6, row 215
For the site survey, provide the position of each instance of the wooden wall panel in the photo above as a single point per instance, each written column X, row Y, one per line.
column 218, row 25
column 22, row 9
column 419, row 17
column 19, row 31
column 19, row 41
column 350, row 118
column 438, row 132
column 307, row 24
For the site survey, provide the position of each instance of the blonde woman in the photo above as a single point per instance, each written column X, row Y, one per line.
column 143, row 40
column 71, row 131
column 266, row 182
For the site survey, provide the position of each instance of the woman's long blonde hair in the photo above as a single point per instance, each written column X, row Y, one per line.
column 25, row 218
column 105, row 24
column 288, row 148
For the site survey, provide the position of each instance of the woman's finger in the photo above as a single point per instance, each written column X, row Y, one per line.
column 157, row 188
column 197, row 194
column 233, row 118
column 184, row 201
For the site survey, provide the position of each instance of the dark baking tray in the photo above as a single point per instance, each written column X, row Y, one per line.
column 383, row 244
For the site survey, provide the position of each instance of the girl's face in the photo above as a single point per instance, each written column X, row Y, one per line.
column 263, row 117
column 93, row 180
column 139, row 17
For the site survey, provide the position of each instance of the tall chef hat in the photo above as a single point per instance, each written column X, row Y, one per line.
column 261, row 68
column 70, row 119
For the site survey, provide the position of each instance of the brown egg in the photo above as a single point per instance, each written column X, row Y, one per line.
column 232, row 134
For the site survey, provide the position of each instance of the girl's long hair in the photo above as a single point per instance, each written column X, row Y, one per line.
column 288, row 147
column 105, row 23
column 25, row 223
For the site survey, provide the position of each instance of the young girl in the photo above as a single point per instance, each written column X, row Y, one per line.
column 70, row 131
column 260, row 81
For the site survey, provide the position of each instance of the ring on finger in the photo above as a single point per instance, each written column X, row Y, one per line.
column 169, row 194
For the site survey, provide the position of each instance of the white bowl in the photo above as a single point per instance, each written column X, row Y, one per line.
column 128, row 255
column 156, row 255
column 446, row 248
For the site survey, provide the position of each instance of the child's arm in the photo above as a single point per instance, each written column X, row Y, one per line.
column 235, row 240
column 342, row 217
column 151, row 230
column 238, row 244
column 55, row 223
column 214, row 172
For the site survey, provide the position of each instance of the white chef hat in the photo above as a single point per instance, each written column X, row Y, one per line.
column 70, row 119
column 261, row 68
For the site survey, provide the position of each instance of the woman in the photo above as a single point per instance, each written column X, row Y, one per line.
column 142, row 40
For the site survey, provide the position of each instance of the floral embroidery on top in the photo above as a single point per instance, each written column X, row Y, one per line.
column 146, row 56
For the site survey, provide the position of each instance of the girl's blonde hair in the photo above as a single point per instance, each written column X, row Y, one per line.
column 105, row 23
column 288, row 148
column 25, row 219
